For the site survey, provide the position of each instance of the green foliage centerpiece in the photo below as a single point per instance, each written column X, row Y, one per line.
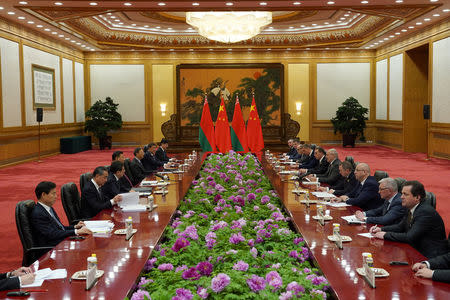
column 230, row 239
column 101, row 118
column 350, row 120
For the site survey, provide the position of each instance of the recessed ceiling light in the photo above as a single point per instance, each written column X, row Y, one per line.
column 120, row 23
column 366, row 47
column 434, row 0
column 327, row 48
column 92, row 49
column 302, row 26
column 364, row 2
column 342, row 18
column 446, row 10
column 133, row 24
column 391, row 36
column 376, row 43
column 72, row 41
column 11, row 13
column 1, row 7
column 127, row 4
column 82, row 46
column 330, row 2
column 296, row 3
column 398, row 1
column 419, row 23
column 190, row 28
column 158, row 27
column 195, row 4
column 161, row 4
column 67, row 38
column 397, row 33
column 229, row 4
column 229, row 49
column 47, row 29
column 23, row 2
column 39, row 26
column 30, row 22
column 308, row 48
column 386, row 39
column 404, row 30
column 78, row 43
column 326, row 23
column 61, row 35
column 346, row 15
column 113, row 17
column 436, row 15
column 380, row 41
column 262, row 3
column 116, row 20
column 191, row 49
column 54, row 32
column 291, row 27
column 210, row 49
column 427, row 19
column 169, row 28
column 338, row 21
column 58, row 3
column 93, row 3
column 21, row 18
column 146, row 26
column 288, row 49
column 347, row 48
column 410, row 27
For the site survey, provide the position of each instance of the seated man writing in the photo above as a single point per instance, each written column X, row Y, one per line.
column 15, row 279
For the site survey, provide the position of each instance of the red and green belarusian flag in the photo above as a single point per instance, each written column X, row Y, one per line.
column 222, row 132
column 238, row 132
column 254, row 130
column 206, row 130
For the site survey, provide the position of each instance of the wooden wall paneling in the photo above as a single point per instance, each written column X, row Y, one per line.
column 22, row 84
column 61, row 87
column 1, row 95
column 416, row 95
column 390, row 133
column 74, row 93
column 440, row 140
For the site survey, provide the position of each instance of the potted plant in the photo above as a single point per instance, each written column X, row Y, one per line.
column 350, row 120
column 101, row 118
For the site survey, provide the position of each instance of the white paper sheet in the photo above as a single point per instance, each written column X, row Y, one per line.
column 352, row 219
column 287, row 172
column 323, row 195
column 337, row 204
column 100, row 226
column 367, row 235
column 310, row 183
column 137, row 207
column 44, row 274
column 129, row 199
column 36, row 283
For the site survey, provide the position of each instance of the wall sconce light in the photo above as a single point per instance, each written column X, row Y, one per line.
column 298, row 107
column 163, row 109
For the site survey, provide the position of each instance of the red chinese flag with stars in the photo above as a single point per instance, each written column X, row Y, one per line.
column 238, row 132
column 206, row 130
column 254, row 130
column 222, row 132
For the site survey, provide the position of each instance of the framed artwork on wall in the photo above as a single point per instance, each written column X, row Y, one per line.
column 263, row 81
column 43, row 80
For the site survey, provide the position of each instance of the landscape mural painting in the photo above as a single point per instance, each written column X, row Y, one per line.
column 264, row 81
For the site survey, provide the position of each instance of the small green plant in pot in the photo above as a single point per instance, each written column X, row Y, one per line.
column 101, row 118
column 350, row 120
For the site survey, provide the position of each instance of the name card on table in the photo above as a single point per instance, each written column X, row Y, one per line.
column 369, row 275
column 338, row 240
column 91, row 279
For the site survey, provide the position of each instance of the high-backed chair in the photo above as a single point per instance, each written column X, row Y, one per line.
column 400, row 181
column 380, row 175
column 430, row 199
column 126, row 165
column 351, row 160
column 70, row 199
column 84, row 178
column 25, row 230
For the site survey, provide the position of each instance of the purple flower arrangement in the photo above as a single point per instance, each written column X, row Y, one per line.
column 231, row 237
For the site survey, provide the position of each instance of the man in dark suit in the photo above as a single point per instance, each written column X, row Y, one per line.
column 391, row 212
column 93, row 200
column 125, row 182
column 150, row 162
column 161, row 153
column 437, row 268
column 46, row 225
column 332, row 174
column 113, row 186
column 13, row 280
column 292, row 151
column 295, row 155
column 347, row 181
column 137, row 168
column 321, row 167
column 365, row 194
column 310, row 160
column 422, row 227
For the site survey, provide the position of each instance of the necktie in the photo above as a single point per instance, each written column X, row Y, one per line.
column 128, row 179
column 385, row 207
column 410, row 218
column 52, row 213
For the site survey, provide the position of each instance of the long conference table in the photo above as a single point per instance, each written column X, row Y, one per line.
column 124, row 260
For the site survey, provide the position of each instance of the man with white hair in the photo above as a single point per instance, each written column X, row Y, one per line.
column 391, row 212
column 332, row 174
column 365, row 195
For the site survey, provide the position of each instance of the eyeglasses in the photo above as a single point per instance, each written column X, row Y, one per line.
column 381, row 189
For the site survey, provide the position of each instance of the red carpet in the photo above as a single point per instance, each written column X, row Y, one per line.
column 18, row 182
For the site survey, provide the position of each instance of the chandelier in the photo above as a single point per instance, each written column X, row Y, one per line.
column 229, row 26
